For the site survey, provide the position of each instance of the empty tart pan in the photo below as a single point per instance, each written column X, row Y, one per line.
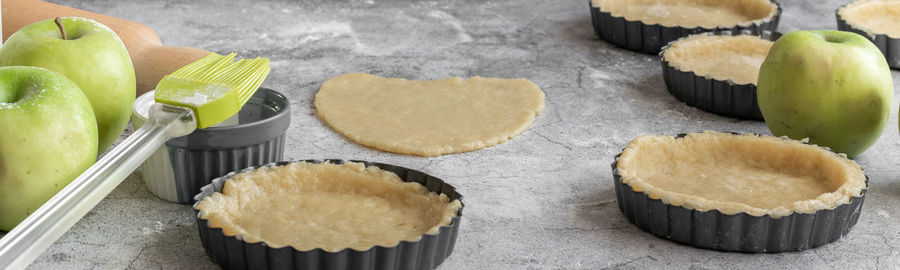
column 311, row 219
column 738, row 192
column 876, row 20
column 647, row 25
column 716, row 71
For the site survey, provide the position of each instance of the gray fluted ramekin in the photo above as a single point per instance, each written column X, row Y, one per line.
column 255, row 136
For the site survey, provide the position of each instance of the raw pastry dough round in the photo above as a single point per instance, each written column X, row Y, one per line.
column 428, row 118
column 327, row 206
column 690, row 13
column 757, row 175
column 874, row 16
column 735, row 58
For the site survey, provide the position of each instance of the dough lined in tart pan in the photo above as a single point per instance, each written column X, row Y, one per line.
column 647, row 25
column 690, row 13
column 737, row 220
column 877, row 20
column 425, row 252
column 722, row 57
column 716, row 71
column 327, row 206
column 757, row 175
column 873, row 16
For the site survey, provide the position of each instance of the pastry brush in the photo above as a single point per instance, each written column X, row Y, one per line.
column 198, row 95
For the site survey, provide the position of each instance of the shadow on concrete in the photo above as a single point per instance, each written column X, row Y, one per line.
column 580, row 33
column 599, row 214
column 183, row 249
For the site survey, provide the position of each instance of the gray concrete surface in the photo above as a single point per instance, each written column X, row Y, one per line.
column 543, row 200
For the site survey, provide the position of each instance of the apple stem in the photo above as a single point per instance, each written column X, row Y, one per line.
column 62, row 30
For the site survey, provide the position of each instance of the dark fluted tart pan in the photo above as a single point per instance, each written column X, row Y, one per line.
column 738, row 232
column 889, row 47
column 650, row 38
column 722, row 97
column 231, row 252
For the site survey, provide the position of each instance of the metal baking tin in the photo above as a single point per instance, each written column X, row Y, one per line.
column 428, row 252
column 650, row 38
column 722, row 97
column 177, row 171
column 890, row 47
column 740, row 232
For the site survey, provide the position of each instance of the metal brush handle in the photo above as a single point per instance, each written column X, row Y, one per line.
column 43, row 227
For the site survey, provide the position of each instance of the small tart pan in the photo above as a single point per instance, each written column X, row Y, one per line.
column 722, row 97
column 738, row 232
column 890, row 47
column 232, row 252
column 650, row 38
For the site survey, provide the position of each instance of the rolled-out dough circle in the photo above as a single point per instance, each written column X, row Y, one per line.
column 428, row 118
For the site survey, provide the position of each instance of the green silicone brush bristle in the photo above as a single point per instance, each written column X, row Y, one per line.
column 214, row 87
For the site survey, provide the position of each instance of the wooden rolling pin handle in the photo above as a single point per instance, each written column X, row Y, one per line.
column 156, row 62
column 151, row 60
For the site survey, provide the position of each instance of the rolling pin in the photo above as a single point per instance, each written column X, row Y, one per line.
column 151, row 59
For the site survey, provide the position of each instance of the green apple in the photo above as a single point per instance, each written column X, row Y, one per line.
column 832, row 87
column 48, row 136
column 91, row 55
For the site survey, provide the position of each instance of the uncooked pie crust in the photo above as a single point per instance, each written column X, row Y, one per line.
column 328, row 206
column 428, row 118
column 874, row 16
column 757, row 175
column 691, row 13
column 735, row 58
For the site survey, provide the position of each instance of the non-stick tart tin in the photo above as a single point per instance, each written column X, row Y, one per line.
column 254, row 136
column 722, row 97
column 650, row 38
column 739, row 232
column 428, row 252
column 889, row 46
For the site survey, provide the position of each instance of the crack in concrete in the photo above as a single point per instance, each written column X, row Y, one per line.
column 428, row 164
column 816, row 252
column 141, row 252
column 578, row 79
column 553, row 142
column 80, row 242
column 614, row 228
column 131, row 263
column 597, row 203
column 623, row 264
